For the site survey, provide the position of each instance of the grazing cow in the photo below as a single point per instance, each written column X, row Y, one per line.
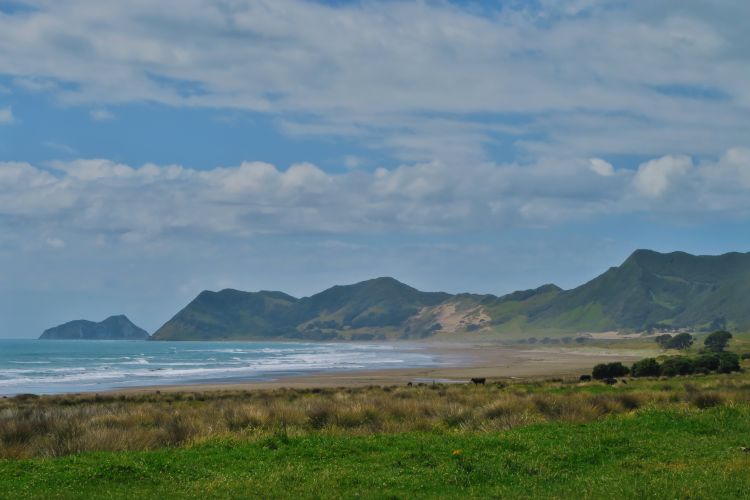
column 478, row 381
column 610, row 381
column 410, row 384
column 584, row 378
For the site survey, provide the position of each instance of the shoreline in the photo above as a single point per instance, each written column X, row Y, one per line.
column 484, row 360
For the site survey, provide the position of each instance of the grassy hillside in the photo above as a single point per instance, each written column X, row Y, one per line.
column 649, row 290
column 381, row 304
column 231, row 314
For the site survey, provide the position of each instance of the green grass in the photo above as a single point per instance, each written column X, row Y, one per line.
column 650, row 438
column 675, row 453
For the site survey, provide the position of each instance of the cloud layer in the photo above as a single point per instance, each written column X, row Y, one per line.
column 121, row 203
column 515, row 136
column 423, row 79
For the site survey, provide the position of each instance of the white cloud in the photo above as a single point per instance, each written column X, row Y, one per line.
column 352, row 161
column 6, row 115
column 423, row 79
column 150, row 203
column 34, row 84
column 602, row 167
column 101, row 114
column 657, row 176
column 56, row 243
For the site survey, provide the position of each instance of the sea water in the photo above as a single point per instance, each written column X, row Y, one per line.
column 59, row 366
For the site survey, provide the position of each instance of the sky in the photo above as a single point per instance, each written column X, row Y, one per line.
column 151, row 150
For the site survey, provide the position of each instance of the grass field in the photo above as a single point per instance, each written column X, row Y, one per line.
column 650, row 438
column 686, row 453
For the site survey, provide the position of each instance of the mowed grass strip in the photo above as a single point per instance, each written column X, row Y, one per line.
column 649, row 453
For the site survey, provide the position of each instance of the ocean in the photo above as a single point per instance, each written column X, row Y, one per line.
column 60, row 366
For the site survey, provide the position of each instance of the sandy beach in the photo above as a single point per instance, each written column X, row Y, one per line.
column 461, row 363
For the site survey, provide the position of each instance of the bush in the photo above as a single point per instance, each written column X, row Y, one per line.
column 717, row 341
column 609, row 370
column 705, row 400
column 600, row 371
column 729, row 362
column 678, row 365
column 745, row 355
column 648, row 367
column 706, row 363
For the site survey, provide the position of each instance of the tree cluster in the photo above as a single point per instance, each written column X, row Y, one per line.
column 609, row 370
column 679, row 341
column 720, row 362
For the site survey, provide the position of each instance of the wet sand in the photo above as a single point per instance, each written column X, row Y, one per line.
column 461, row 363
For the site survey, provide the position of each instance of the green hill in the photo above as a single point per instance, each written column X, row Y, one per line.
column 231, row 314
column 379, row 306
column 113, row 328
column 649, row 290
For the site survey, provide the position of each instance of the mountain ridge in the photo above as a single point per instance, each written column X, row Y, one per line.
column 648, row 290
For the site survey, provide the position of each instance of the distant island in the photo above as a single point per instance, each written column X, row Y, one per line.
column 650, row 291
column 112, row 328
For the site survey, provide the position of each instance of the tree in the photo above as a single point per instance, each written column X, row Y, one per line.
column 663, row 340
column 609, row 370
column 729, row 362
column 647, row 367
column 681, row 341
column 717, row 341
column 706, row 363
column 678, row 365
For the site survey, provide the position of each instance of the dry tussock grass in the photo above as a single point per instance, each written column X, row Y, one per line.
column 60, row 425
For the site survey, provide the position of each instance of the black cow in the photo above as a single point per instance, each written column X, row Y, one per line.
column 584, row 378
column 478, row 381
column 610, row 381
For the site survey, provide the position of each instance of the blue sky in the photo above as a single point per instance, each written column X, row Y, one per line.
column 149, row 151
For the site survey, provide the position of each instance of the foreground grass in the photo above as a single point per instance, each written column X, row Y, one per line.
column 650, row 438
column 650, row 453
column 63, row 425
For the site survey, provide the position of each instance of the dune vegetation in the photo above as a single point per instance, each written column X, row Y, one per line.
column 679, row 435
column 53, row 426
column 648, row 436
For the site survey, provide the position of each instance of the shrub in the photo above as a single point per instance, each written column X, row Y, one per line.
column 647, row 367
column 600, row 371
column 717, row 341
column 729, row 362
column 609, row 370
column 705, row 400
column 745, row 355
column 678, row 365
